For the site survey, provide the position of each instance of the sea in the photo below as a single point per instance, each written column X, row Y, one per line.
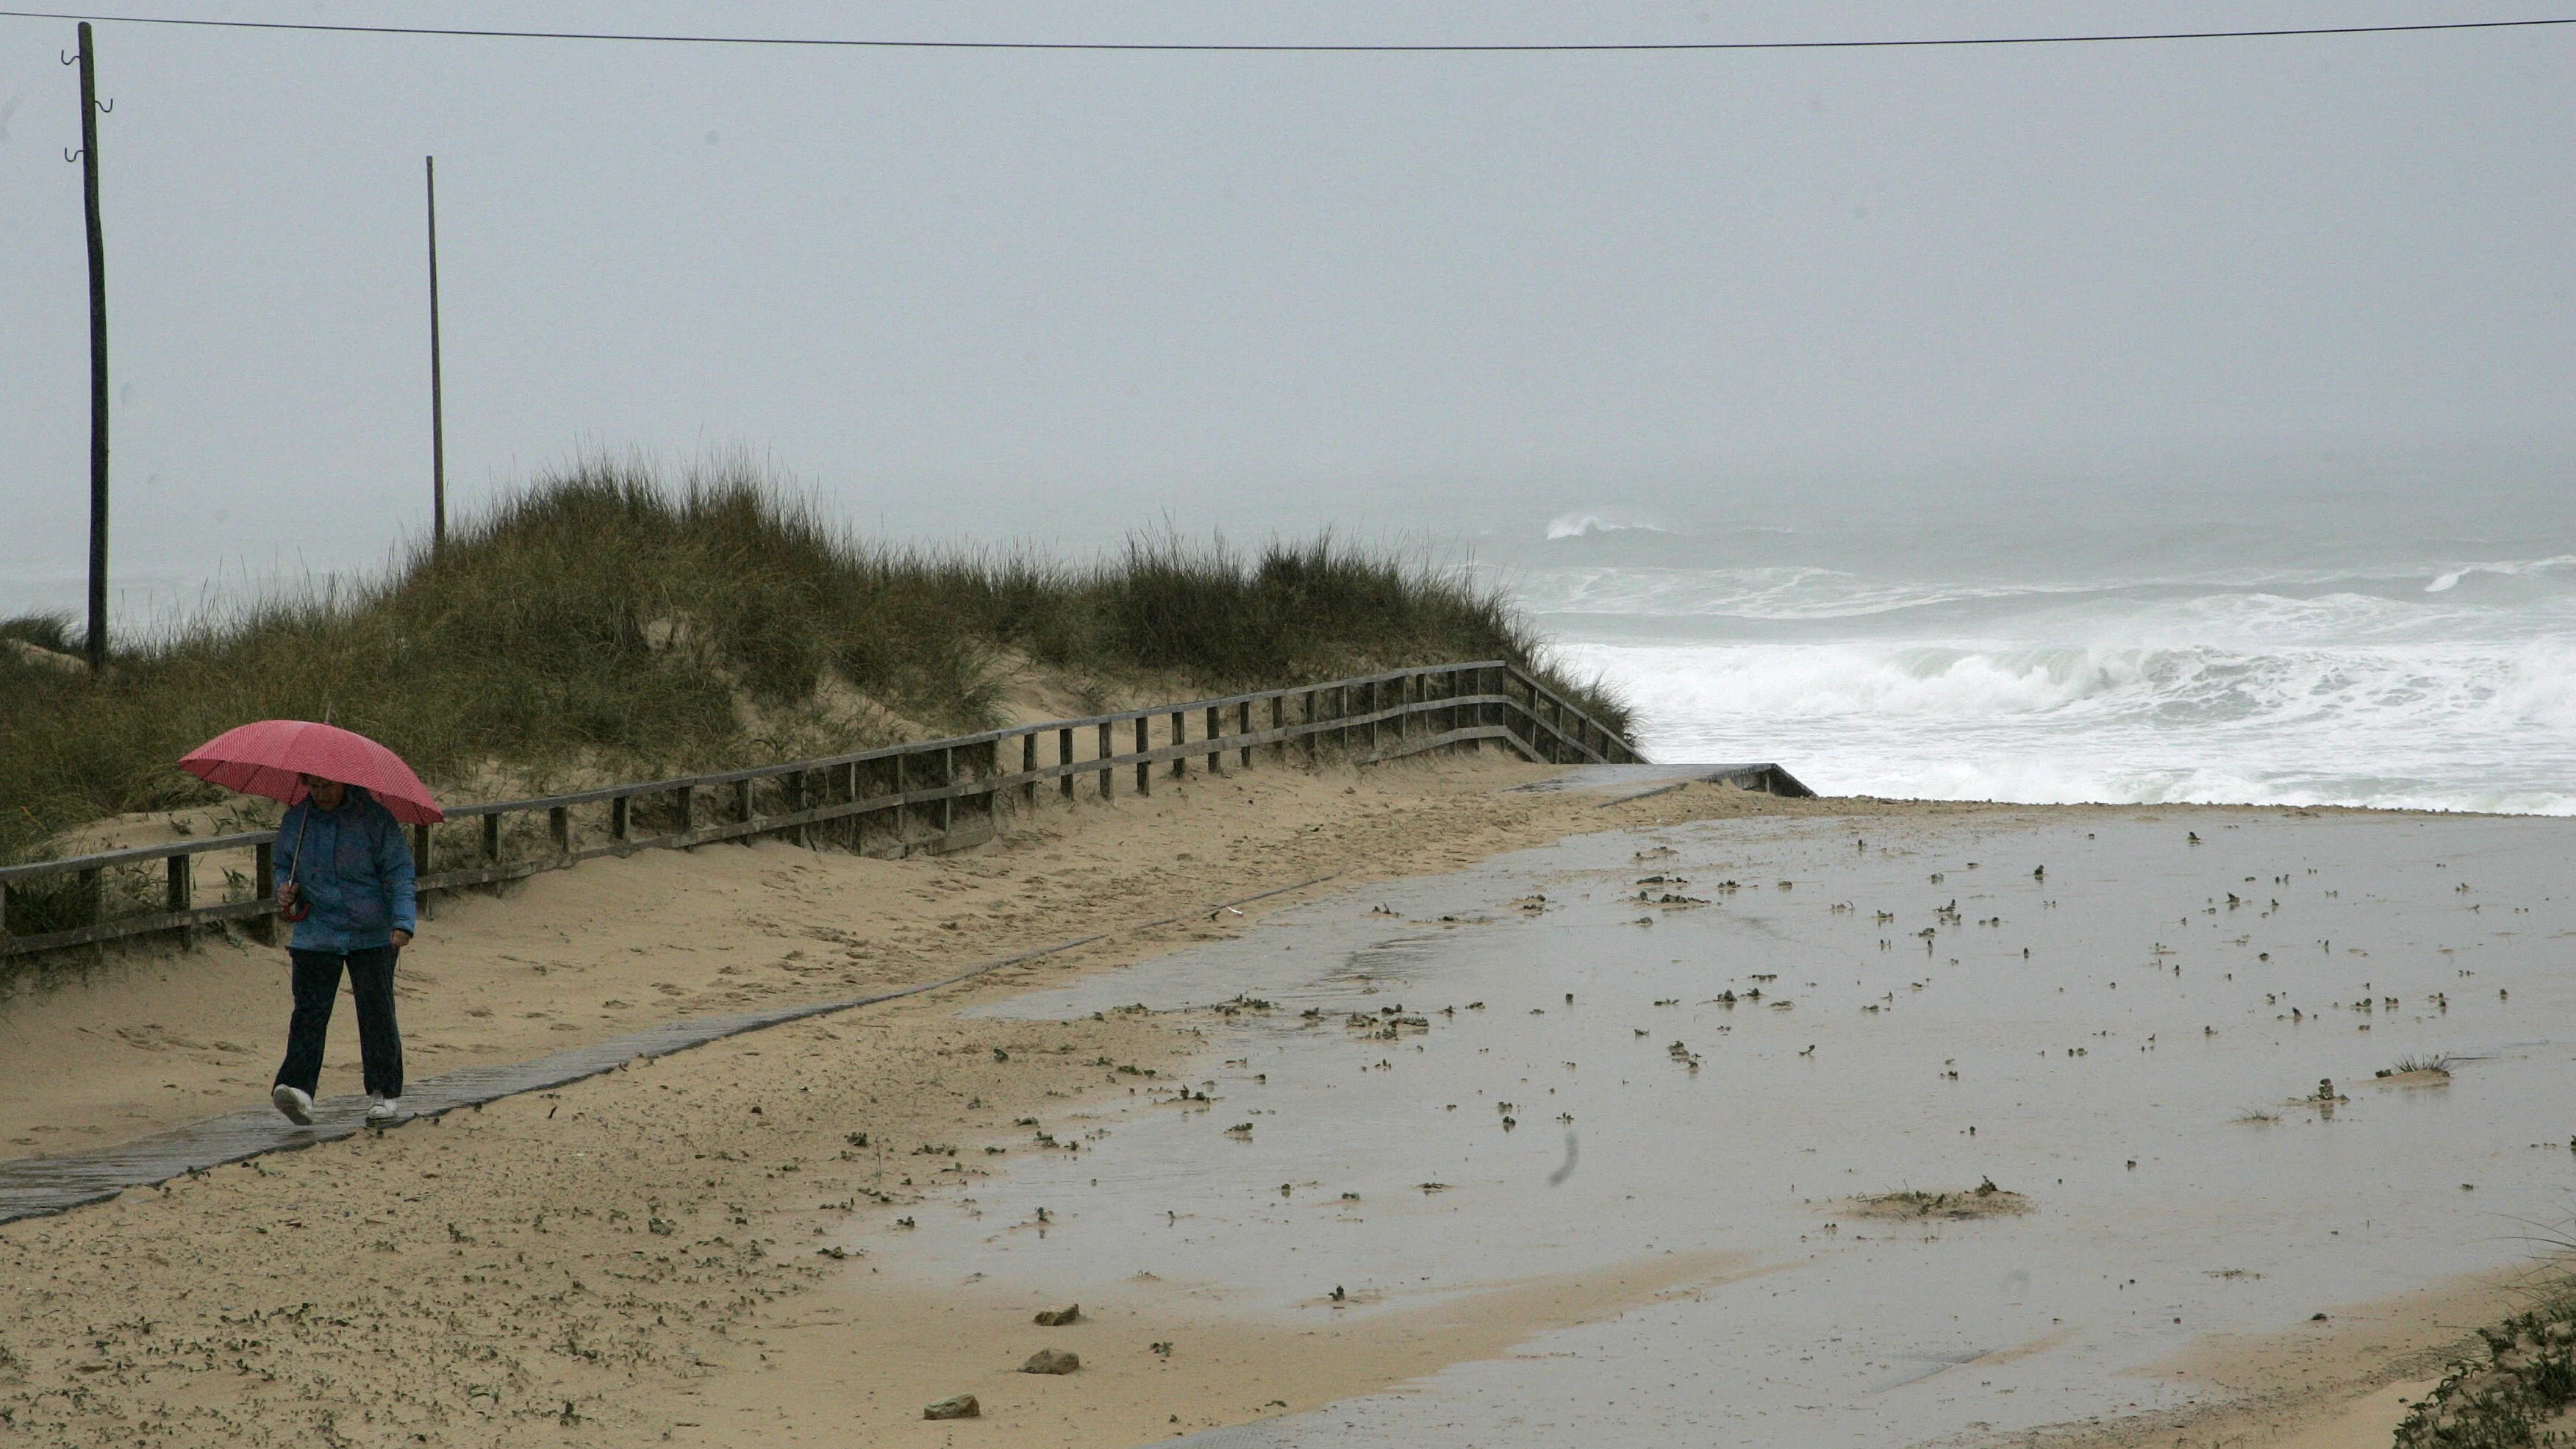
column 2389, row 627
column 2405, row 641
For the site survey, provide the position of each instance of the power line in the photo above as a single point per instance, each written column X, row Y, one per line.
column 1579, row 47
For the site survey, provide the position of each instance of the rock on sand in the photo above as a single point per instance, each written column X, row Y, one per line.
column 1052, row 1361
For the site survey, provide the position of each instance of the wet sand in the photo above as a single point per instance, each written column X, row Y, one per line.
column 2038, row 1150
column 698, row 1247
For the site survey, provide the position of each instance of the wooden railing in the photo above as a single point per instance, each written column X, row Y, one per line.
column 927, row 797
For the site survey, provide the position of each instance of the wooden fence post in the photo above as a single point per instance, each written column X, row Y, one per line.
column 558, row 826
column 1064, row 756
column 1215, row 732
column 1029, row 766
column 420, row 849
column 1180, row 737
column 621, row 817
column 183, row 893
column 1243, row 726
column 902, row 811
column 947, row 803
column 1144, row 768
column 263, row 871
column 683, row 803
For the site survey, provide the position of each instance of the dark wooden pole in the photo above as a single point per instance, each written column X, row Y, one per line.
column 437, row 401
column 97, row 361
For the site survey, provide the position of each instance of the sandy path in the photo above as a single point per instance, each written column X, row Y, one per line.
column 633, row 1257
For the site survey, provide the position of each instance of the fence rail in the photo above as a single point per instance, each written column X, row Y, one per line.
column 926, row 797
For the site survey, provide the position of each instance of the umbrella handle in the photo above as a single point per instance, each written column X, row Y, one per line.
column 302, row 907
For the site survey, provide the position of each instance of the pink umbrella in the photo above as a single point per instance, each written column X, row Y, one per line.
column 270, row 757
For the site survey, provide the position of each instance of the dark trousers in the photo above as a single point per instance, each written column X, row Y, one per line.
column 317, row 990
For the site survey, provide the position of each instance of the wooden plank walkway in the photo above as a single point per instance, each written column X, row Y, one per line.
column 33, row 1186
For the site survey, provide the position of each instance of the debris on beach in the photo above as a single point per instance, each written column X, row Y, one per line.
column 955, row 1406
column 1052, row 1361
column 1059, row 1317
column 1985, row 1200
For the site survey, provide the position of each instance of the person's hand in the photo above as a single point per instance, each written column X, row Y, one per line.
column 401, row 939
column 287, row 893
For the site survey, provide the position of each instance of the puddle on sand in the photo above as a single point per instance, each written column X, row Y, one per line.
column 2103, row 1075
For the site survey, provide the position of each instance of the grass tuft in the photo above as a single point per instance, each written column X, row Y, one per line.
column 608, row 623
column 2408, row 1065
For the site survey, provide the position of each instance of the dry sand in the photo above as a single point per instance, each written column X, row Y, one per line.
column 634, row 1258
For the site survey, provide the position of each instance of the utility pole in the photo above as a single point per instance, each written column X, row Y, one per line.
column 437, row 403
column 97, row 362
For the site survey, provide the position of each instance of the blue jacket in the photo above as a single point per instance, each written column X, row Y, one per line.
column 357, row 873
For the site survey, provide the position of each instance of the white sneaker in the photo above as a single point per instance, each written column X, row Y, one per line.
column 381, row 1110
column 295, row 1102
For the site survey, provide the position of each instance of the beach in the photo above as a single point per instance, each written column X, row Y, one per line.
column 1479, row 1133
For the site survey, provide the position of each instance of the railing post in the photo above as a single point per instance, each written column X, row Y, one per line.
column 1064, row 756
column 1029, row 766
column 558, row 825
column 1180, row 737
column 1215, row 732
column 93, row 895
column 263, row 887
column 183, row 894
column 1144, row 768
column 1243, row 726
column 621, row 817
column 902, row 811
column 1108, row 771
column 742, row 804
column 947, row 803
column 492, row 836
column 684, row 802
column 420, row 849
column 1279, row 721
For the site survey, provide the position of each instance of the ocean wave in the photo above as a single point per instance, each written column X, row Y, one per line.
column 2486, row 727
column 2449, row 579
column 2320, row 609
column 1587, row 524
column 1783, row 592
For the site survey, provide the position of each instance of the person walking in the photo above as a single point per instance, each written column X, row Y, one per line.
column 341, row 854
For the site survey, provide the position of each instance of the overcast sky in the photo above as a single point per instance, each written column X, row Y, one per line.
column 1056, row 295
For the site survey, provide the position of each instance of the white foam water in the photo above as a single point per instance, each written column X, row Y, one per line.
column 2443, row 685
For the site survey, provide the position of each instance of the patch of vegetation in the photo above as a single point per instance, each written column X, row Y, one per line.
column 2408, row 1066
column 608, row 623
column 2514, row 1399
column 1985, row 1200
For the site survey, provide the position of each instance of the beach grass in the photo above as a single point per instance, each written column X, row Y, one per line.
column 2518, row 1394
column 614, row 623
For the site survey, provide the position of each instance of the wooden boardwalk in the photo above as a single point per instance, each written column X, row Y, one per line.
column 926, row 797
